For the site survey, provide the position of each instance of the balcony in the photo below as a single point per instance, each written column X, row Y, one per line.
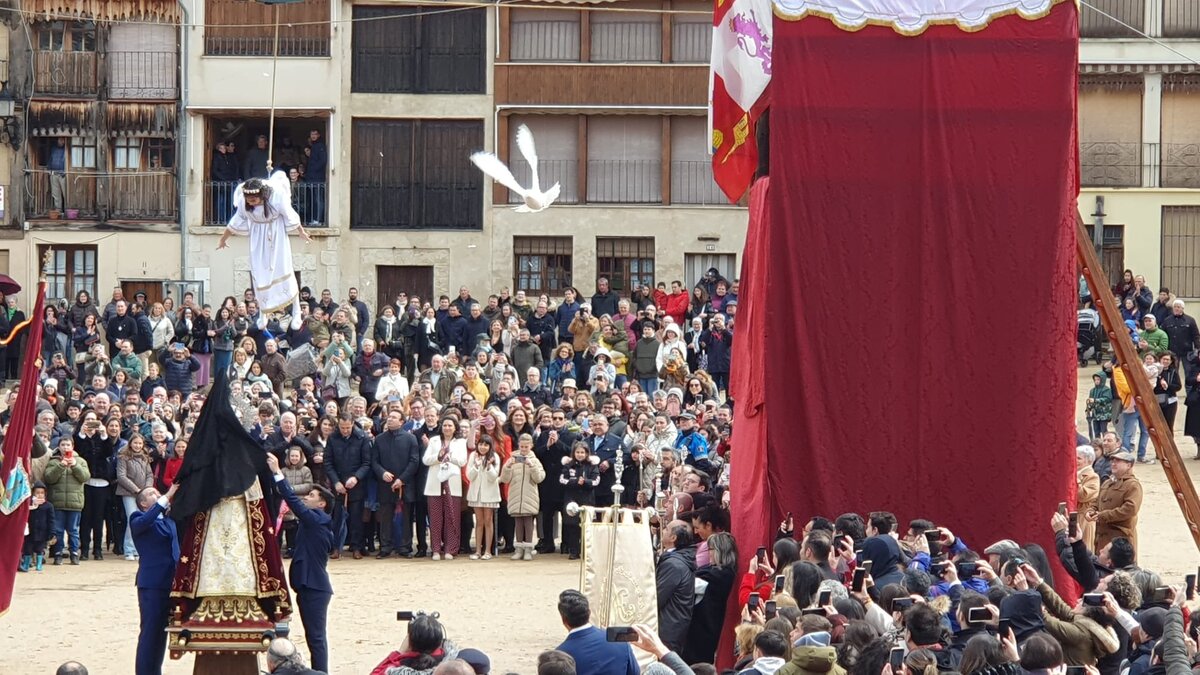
column 1181, row 19
column 692, row 183
column 240, row 28
column 691, row 42
column 1140, row 165
column 309, row 200
column 143, row 75
column 624, row 181
column 565, row 172
column 65, row 73
column 1181, row 165
column 1092, row 24
column 79, row 194
column 143, row 196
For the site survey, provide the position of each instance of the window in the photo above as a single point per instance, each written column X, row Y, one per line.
column 127, row 154
column 1180, row 248
column 416, row 174
column 691, row 167
column 51, row 37
column 65, row 60
column 625, row 261
column 542, row 264
column 619, row 37
column 558, row 154
column 241, row 28
column 83, row 36
column 624, row 159
column 72, row 269
column 83, row 152
column 418, row 50
column 543, row 35
column 691, row 33
column 160, row 153
column 1110, row 131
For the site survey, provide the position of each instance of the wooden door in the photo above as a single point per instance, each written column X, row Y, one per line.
column 152, row 289
column 411, row 279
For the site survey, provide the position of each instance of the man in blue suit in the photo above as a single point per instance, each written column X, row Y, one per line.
column 157, row 542
column 309, row 579
column 589, row 645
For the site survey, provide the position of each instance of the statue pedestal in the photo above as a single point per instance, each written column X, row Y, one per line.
column 226, row 664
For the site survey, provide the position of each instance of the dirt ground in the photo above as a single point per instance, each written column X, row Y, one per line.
column 89, row 613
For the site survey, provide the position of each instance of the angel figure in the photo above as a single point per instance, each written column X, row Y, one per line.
column 263, row 211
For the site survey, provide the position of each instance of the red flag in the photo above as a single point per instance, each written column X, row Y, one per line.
column 741, row 73
column 17, row 445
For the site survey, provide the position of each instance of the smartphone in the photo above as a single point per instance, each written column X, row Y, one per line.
column 901, row 604
column 779, row 579
column 967, row 569
column 939, row 568
column 621, row 634
column 1161, row 593
column 934, row 538
column 68, row 454
column 896, row 659
column 772, row 610
column 1189, row 583
column 762, row 554
column 824, row 598
column 1073, row 524
column 812, row 610
column 754, row 601
column 1004, row 628
column 866, row 565
column 860, row 580
column 403, row 615
column 979, row 615
column 1062, row 508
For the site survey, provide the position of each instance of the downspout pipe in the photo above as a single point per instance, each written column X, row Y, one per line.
column 183, row 168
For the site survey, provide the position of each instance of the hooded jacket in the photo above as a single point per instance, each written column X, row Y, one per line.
column 1099, row 405
column 884, row 554
column 812, row 661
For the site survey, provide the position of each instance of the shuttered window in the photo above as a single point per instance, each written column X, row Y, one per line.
column 543, row 34
column 624, row 159
column 141, row 60
column 415, row 174
column 557, row 139
column 621, row 37
column 418, row 50
column 626, row 262
column 1181, row 250
column 691, row 33
column 691, row 166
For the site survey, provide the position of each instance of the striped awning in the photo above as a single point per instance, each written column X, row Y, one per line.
column 1136, row 68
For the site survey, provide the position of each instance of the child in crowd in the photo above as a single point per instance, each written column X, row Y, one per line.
column 522, row 473
column 300, row 478
column 38, row 530
column 580, row 476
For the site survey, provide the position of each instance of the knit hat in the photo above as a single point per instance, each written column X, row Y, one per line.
column 51, row 382
column 676, row 392
column 1152, row 621
column 818, row 639
column 478, row 661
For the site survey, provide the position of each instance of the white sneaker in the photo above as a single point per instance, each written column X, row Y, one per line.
column 449, row 557
column 129, row 557
column 474, row 556
column 436, row 556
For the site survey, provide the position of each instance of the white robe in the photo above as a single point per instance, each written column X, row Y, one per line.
column 272, row 274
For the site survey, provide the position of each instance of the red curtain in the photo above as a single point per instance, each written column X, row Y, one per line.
column 918, row 307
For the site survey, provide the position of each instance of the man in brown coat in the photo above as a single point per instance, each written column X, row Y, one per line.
column 1116, row 512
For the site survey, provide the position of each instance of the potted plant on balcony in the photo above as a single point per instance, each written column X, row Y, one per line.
column 72, row 214
column 55, row 214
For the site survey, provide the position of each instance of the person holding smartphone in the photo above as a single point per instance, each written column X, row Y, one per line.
column 1086, row 633
column 66, row 474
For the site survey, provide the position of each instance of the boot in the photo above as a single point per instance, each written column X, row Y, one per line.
column 58, row 559
column 41, row 560
column 527, row 549
column 520, row 552
column 23, row 566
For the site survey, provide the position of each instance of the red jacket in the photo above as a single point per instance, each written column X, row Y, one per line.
column 750, row 584
column 675, row 305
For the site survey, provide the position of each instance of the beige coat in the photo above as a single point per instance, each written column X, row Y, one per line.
column 1120, row 501
column 523, row 478
column 1087, row 492
column 133, row 474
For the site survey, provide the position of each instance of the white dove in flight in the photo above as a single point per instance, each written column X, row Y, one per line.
column 535, row 199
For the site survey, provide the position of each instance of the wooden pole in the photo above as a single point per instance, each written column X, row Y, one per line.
column 1126, row 356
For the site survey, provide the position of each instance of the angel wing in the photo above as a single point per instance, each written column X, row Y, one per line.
column 492, row 166
column 525, row 145
column 281, row 198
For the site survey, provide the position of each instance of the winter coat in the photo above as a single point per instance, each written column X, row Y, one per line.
column 1086, row 494
column 526, row 355
column 301, row 480
column 543, row 327
column 675, row 579
column 178, row 374
column 645, row 359
column 143, row 341
column 133, row 474
column 582, row 331
column 1120, row 501
column 484, row 478
column 812, row 661
column 572, row 471
column 1083, row 640
column 64, row 487
column 564, row 314
column 709, row 614
column 456, row 458
column 337, row 375
column 349, row 456
column 1099, row 405
column 41, row 523
column 79, row 311
column 1157, row 339
column 522, row 478
column 1182, row 334
column 120, row 328
column 719, row 347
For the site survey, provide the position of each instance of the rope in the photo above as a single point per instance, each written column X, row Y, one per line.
column 274, row 70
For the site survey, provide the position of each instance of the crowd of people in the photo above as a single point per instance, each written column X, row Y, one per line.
column 466, row 428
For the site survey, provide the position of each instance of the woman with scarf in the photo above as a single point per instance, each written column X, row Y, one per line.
column 674, row 371
column 1087, row 491
column 387, row 334
column 426, row 339
column 561, row 368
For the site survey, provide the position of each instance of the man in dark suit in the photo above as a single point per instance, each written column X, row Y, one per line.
column 605, row 446
column 394, row 463
column 587, row 644
column 157, row 542
column 309, row 579
column 348, row 464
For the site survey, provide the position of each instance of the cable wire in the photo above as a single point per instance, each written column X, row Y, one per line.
column 1141, row 33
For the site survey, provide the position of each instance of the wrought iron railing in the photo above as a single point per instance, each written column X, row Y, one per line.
column 692, row 183
column 565, row 172
column 309, row 200
column 71, row 73
column 143, row 75
column 624, row 181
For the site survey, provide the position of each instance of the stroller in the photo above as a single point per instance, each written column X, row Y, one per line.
column 1087, row 336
